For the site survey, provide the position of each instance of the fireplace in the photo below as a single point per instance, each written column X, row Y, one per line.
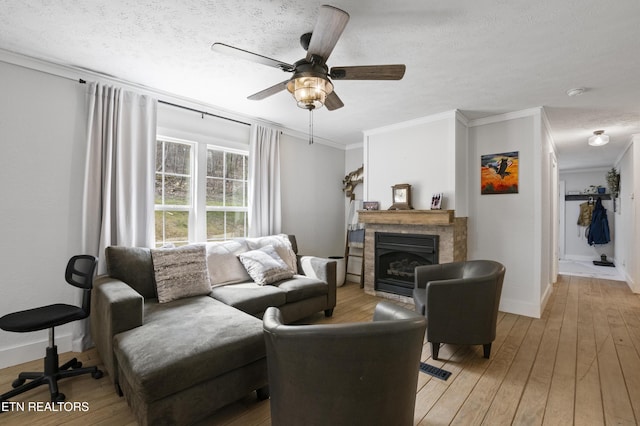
column 396, row 257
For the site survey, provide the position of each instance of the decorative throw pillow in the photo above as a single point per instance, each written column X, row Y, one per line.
column 265, row 266
column 180, row 272
column 223, row 263
column 282, row 245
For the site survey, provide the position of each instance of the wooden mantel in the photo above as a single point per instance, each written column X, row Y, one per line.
column 407, row 217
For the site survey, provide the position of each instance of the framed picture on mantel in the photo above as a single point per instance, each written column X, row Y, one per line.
column 436, row 201
column 401, row 197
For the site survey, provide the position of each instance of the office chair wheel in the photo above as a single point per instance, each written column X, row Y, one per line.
column 59, row 397
column 17, row 383
column 97, row 374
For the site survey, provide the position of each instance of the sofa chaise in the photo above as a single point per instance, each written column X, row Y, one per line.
column 178, row 351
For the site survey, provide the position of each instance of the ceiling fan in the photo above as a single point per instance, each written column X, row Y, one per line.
column 310, row 83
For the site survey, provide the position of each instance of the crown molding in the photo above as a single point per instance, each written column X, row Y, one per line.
column 415, row 122
column 530, row 112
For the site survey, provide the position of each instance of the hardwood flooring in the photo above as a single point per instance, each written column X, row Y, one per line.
column 578, row 364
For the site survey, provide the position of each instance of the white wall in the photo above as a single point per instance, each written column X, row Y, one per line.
column 627, row 234
column 461, row 167
column 42, row 131
column 576, row 246
column 634, row 262
column 312, row 197
column 506, row 227
column 420, row 152
column 547, row 198
column 625, row 223
column 188, row 125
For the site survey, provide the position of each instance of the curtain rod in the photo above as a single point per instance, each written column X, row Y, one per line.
column 82, row 81
column 203, row 112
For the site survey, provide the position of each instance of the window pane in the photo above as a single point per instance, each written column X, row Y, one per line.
column 235, row 166
column 172, row 227
column 215, row 192
column 158, row 156
column 235, row 224
column 215, row 226
column 176, row 190
column 158, row 191
column 235, row 194
column 215, row 164
column 177, row 158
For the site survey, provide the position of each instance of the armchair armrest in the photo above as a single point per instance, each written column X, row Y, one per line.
column 322, row 269
column 115, row 307
column 387, row 311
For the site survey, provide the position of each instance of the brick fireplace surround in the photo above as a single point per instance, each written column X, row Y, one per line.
column 451, row 230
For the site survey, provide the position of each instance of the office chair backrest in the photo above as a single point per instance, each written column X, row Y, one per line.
column 80, row 272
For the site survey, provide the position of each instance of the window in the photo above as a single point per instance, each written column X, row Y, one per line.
column 173, row 192
column 199, row 181
column 226, row 194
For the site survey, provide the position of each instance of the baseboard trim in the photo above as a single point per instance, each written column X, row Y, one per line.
column 32, row 351
column 585, row 258
column 519, row 308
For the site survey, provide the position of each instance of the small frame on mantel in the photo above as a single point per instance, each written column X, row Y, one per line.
column 401, row 196
column 436, row 201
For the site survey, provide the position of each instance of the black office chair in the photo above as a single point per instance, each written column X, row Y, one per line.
column 79, row 273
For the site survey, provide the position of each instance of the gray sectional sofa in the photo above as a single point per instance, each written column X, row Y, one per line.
column 179, row 359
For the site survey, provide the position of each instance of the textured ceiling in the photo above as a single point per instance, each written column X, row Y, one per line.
column 483, row 57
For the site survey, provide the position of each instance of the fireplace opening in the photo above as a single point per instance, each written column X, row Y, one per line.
column 396, row 257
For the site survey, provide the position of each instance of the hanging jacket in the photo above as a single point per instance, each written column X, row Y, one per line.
column 586, row 212
column 599, row 228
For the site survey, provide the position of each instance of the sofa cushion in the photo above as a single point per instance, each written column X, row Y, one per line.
column 223, row 263
column 180, row 272
column 300, row 287
column 185, row 342
column 250, row 297
column 265, row 266
column 282, row 245
column 133, row 266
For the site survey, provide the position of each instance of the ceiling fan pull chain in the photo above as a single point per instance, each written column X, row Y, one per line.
column 311, row 126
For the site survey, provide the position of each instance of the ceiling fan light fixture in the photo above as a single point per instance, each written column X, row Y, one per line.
column 310, row 92
column 598, row 138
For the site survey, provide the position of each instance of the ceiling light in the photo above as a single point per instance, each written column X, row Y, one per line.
column 576, row 92
column 310, row 91
column 598, row 138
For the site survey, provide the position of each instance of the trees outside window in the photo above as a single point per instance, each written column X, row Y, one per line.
column 184, row 193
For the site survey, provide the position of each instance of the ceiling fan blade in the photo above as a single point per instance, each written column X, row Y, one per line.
column 331, row 22
column 332, row 101
column 369, row 72
column 269, row 91
column 250, row 56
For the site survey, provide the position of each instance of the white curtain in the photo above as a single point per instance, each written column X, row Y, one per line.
column 264, row 182
column 118, row 201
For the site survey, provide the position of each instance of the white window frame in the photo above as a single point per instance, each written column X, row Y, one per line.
column 198, row 206
column 232, row 209
column 190, row 208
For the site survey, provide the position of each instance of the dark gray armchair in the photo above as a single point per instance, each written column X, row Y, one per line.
column 460, row 301
column 345, row 374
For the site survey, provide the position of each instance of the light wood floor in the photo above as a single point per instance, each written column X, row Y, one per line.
column 578, row 364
